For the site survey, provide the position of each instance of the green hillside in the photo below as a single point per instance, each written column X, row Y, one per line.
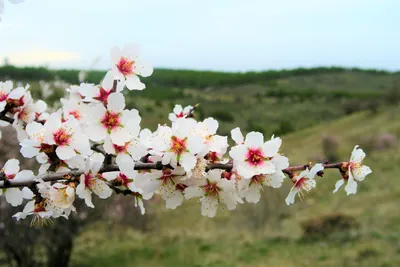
column 269, row 233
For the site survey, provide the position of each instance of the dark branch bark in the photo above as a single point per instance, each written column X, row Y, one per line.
column 142, row 166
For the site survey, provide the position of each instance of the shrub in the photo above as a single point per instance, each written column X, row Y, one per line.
column 385, row 141
column 285, row 127
column 330, row 146
column 223, row 116
column 326, row 225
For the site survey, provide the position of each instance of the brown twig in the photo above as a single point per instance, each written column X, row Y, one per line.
column 143, row 166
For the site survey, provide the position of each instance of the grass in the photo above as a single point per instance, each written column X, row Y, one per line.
column 303, row 105
column 183, row 238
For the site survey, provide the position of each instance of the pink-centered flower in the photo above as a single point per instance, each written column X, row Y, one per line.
column 179, row 112
column 304, row 183
column 119, row 124
column 91, row 181
column 252, row 156
column 11, row 172
column 177, row 145
column 169, row 184
column 213, row 190
column 5, row 89
column 356, row 172
column 127, row 66
column 67, row 136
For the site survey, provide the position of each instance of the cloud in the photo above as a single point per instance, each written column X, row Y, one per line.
column 40, row 57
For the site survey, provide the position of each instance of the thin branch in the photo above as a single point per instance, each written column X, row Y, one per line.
column 3, row 117
column 49, row 177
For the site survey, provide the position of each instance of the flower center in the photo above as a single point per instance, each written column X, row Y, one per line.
column 88, row 180
column 212, row 156
column 255, row 157
column 111, row 120
column 16, row 102
column 180, row 187
column 258, row 179
column 178, row 145
column 354, row 165
column 103, row 95
column 76, row 114
column 46, row 148
column 122, row 179
column 121, row 149
column 3, row 96
column 211, row 189
column 125, row 66
column 304, row 184
column 62, row 137
column 180, row 115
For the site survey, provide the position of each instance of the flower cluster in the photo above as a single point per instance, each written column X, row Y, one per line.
column 95, row 145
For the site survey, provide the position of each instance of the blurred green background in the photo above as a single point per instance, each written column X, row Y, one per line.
column 320, row 113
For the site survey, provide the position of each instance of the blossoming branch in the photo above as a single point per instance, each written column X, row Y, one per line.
column 94, row 145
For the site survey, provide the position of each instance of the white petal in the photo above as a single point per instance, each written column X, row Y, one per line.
column 120, row 136
column 238, row 153
column 228, row 199
column 254, row 139
column 96, row 160
column 108, row 145
column 314, row 170
column 280, row 162
column 133, row 83
column 271, row 147
column 109, row 176
column 193, row 191
column 108, row 81
column 351, row 186
column 116, row 102
column 96, row 132
column 338, row 185
column 101, row 189
column 276, row 179
column 177, row 109
column 174, row 200
column 267, row 167
column 237, row 136
column 209, row 206
column 125, row 162
column 252, row 194
column 360, row 173
column 65, row 152
column 27, row 193
column 195, row 144
column 11, row 166
column 25, row 174
column 144, row 69
column 188, row 161
column 14, row 196
column 291, row 197
column 27, row 150
column 245, row 170
column 131, row 51
column 357, row 155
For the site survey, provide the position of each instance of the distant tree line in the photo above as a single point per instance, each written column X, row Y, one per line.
column 178, row 78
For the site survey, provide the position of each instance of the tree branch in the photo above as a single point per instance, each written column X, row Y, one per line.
column 49, row 177
column 3, row 117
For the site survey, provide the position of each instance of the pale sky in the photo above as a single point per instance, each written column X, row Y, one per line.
column 227, row 35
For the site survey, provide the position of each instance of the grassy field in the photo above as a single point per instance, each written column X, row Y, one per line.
column 302, row 106
column 269, row 233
